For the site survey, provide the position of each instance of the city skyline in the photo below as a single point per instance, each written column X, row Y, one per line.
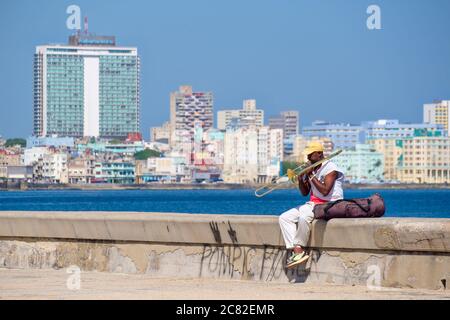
column 329, row 74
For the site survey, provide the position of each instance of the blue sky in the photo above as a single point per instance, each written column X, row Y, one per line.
column 317, row 57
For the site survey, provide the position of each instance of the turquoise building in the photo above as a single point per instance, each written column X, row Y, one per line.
column 362, row 164
column 115, row 172
column 86, row 88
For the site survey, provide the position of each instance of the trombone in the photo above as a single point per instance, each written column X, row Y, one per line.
column 291, row 175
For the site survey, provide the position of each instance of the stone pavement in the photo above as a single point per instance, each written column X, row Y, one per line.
column 52, row 284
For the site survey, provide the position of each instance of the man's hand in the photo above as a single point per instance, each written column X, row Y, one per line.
column 301, row 176
column 303, row 185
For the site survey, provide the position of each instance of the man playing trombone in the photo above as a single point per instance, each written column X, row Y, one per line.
column 323, row 183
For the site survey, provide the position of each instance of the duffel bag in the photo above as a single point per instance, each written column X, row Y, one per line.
column 351, row 208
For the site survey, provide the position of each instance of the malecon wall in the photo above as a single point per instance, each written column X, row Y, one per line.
column 390, row 252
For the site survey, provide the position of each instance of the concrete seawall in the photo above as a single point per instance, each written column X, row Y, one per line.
column 386, row 252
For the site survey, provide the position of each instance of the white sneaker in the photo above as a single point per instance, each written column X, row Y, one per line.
column 296, row 258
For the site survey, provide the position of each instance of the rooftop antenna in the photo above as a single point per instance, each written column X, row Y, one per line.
column 86, row 25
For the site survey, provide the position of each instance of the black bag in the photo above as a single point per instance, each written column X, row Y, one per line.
column 351, row 208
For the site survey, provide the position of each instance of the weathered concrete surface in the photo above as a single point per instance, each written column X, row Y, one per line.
column 52, row 284
column 419, row 270
column 413, row 253
column 429, row 235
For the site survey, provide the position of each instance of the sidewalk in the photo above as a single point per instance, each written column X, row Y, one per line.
column 52, row 284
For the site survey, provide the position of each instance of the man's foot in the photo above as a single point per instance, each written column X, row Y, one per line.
column 296, row 258
column 290, row 258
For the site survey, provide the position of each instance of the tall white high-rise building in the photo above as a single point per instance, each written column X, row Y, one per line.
column 89, row 87
column 437, row 113
column 248, row 115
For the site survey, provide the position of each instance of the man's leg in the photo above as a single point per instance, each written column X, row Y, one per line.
column 304, row 224
column 287, row 221
column 302, row 235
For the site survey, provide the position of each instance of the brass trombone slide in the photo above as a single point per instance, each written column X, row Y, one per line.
column 291, row 175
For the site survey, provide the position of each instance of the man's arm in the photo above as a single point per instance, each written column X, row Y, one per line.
column 303, row 185
column 328, row 183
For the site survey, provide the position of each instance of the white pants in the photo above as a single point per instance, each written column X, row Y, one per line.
column 297, row 235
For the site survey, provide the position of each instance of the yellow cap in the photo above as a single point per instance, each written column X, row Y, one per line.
column 313, row 146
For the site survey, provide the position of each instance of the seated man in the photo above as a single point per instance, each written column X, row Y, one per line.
column 324, row 184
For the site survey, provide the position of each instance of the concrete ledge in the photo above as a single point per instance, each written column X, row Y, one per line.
column 399, row 234
column 388, row 252
column 428, row 235
column 142, row 227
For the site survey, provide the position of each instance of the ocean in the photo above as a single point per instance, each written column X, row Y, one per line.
column 424, row 203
